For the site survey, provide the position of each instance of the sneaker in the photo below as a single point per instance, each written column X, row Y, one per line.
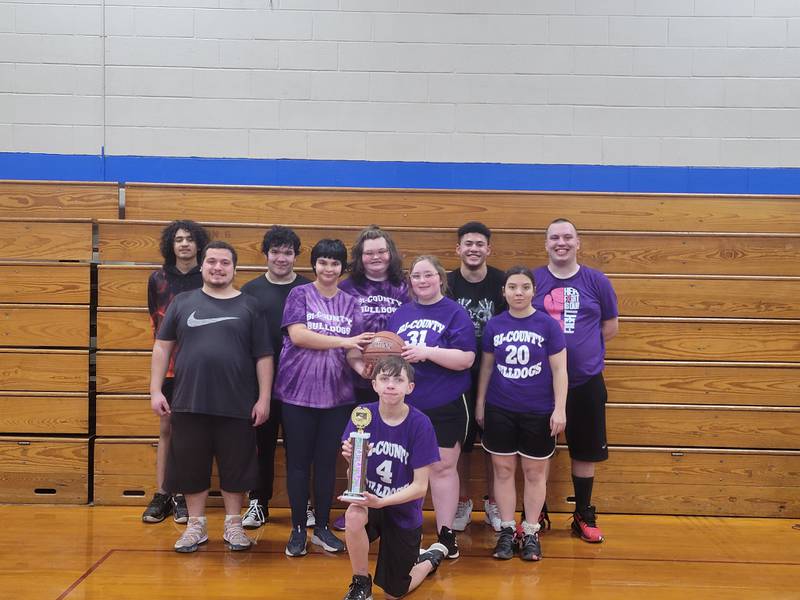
column 160, row 508
column 504, row 548
column 324, row 538
column 194, row 535
column 584, row 525
column 339, row 524
column 544, row 519
column 311, row 519
column 435, row 554
column 296, row 546
column 530, row 548
column 254, row 516
column 447, row 537
column 360, row 588
column 463, row 515
column 492, row 513
column 234, row 535
column 180, row 514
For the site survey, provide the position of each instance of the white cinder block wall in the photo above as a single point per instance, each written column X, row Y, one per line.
column 618, row 82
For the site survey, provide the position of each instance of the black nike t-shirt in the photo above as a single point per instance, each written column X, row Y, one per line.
column 220, row 341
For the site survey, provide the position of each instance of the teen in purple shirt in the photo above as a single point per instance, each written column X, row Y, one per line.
column 522, row 393
column 324, row 334
column 440, row 342
column 584, row 303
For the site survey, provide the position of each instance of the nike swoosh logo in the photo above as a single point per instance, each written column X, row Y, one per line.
column 192, row 321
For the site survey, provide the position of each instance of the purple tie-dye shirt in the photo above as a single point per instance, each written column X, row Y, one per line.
column 318, row 378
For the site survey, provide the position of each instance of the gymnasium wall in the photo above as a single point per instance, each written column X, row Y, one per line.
column 88, row 88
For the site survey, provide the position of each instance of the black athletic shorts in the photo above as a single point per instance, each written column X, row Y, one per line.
column 473, row 429
column 397, row 552
column 197, row 439
column 527, row 434
column 586, row 421
column 450, row 422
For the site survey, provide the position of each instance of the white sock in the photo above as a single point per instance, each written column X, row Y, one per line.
column 530, row 528
column 504, row 524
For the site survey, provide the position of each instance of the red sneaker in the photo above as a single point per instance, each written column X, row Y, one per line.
column 584, row 525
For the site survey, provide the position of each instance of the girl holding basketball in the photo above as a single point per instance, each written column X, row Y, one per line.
column 521, row 405
column 440, row 341
column 324, row 332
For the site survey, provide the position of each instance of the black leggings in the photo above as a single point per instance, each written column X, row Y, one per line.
column 267, row 440
column 313, row 437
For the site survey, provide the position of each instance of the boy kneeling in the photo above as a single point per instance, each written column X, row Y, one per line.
column 402, row 448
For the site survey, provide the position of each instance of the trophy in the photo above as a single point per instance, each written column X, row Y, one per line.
column 361, row 417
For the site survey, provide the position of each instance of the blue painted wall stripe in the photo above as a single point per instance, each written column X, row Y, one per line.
column 412, row 175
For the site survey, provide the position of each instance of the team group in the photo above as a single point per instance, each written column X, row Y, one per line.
column 516, row 357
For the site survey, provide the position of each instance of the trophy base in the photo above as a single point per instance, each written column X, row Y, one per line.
column 353, row 495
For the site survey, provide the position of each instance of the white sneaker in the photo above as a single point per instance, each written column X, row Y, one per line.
column 463, row 515
column 492, row 514
column 253, row 518
column 311, row 519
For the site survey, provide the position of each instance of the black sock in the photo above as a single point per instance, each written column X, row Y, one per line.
column 583, row 492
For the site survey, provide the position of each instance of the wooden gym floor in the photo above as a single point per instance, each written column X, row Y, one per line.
column 82, row 552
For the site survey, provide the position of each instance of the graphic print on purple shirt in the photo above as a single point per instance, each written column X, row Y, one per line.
column 317, row 378
column 396, row 451
column 444, row 324
column 521, row 380
column 580, row 304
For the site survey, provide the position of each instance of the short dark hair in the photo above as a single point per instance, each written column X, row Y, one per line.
column 560, row 220
column 519, row 270
column 393, row 366
column 219, row 244
column 474, row 227
column 373, row 232
column 167, row 243
column 278, row 236
column 328, row 248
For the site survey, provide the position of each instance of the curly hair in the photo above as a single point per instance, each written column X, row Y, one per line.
column 167, row 243
column 278, row 236
column 373, row 232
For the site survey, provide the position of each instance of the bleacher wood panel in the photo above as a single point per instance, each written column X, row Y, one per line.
column 44, row 413
column 59, row 199
column 126, row 416
column 44, row 370
column 426, row 208
column 64, row 283
column 45, row 239
column 123, row 372
column 616, row 252
column 44, row 325
column 44, row 470
column 124, row 329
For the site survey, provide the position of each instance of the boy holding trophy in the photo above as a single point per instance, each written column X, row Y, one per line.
column 386, row 490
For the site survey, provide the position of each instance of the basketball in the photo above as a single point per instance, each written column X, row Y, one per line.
column 385, row 343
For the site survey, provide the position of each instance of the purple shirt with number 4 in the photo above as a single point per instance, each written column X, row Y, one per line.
column 522, row 380
column 396, row 451
column 580, row 304
column 318, row 378
column 444, row 324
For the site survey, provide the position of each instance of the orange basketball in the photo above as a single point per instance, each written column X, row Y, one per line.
column 385, row 343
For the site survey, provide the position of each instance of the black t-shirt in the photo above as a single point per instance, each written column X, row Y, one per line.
column 482, row 300
column 271, row 298
column 220, row 340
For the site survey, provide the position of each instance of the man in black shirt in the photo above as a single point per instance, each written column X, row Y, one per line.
column 223, row 383
column 280, row 247
column 479, row 289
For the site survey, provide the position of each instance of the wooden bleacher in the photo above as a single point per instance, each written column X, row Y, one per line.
column 704, row 377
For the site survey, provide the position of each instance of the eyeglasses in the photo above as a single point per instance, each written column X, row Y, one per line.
column 425, row 276
column 373, row 253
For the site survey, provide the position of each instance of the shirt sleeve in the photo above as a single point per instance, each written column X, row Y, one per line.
column 168, row 329
column 425, row 450
column 261, row 341
column 295, row 309
column 460, row 333
column 358, row 319
column 556, row 341
column 607, row 298
column 487, row 339
column 152, row 304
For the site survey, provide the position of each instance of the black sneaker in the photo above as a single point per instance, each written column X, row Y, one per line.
column 180, row 514
column 447, row 537
column 530, row 548
column 435, row 554
column 160, row 508
column 324, row 538
column 296, row 546
column 360, row 588
column 504, row 548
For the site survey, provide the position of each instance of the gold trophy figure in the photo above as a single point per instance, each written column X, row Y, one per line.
column 361, row 417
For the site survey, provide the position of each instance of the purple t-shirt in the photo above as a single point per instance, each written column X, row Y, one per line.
column 444, row 324
column 396, row 451
column 521, row 380
column 580, row 304
column 317, row 378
